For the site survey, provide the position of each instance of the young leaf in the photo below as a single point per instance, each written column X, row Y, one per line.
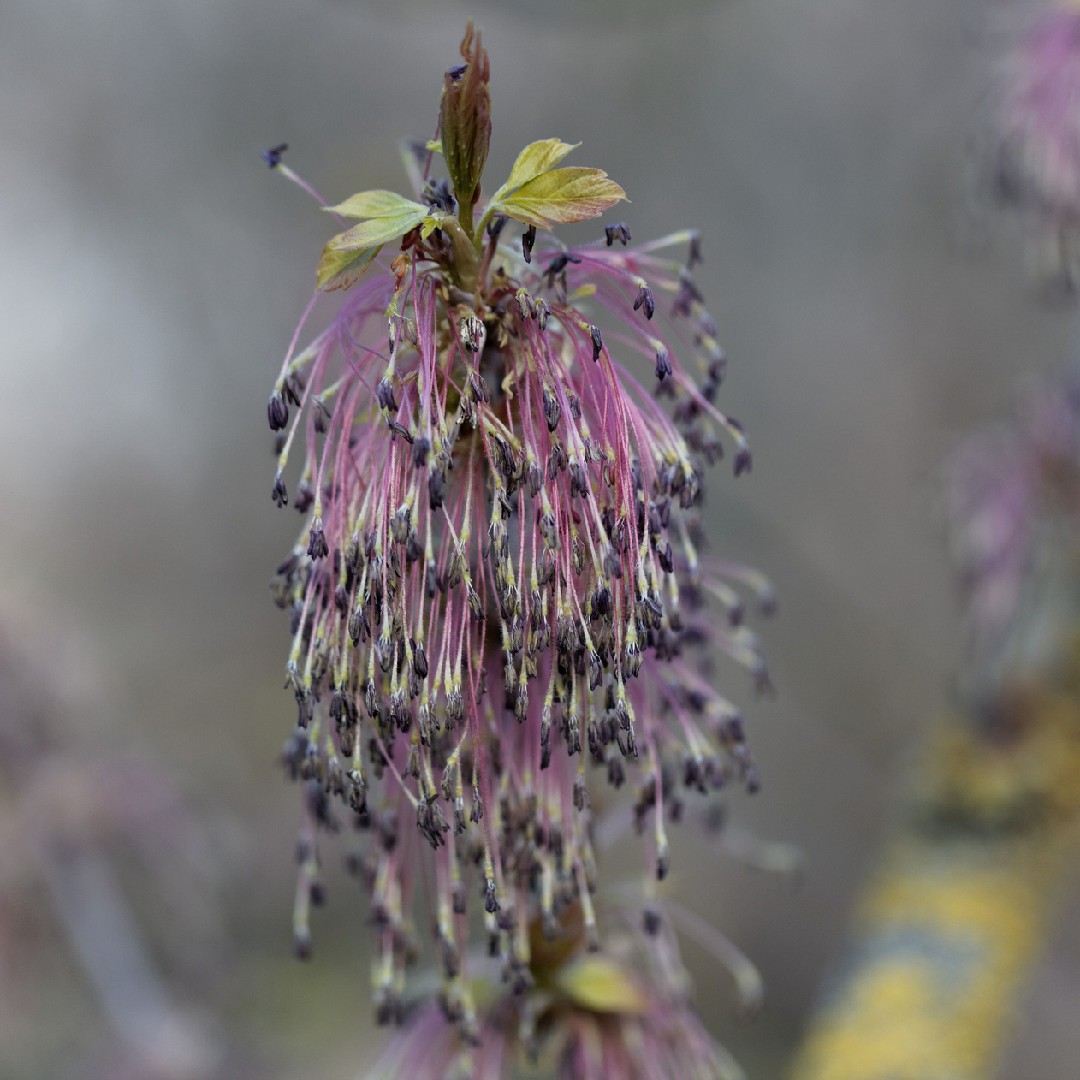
column 428, row 226
column 599, row 984
column 536, row 158
column 379, row 230
column 465, row 119
column 375, row 204
column 559, row 196
column 340, row 269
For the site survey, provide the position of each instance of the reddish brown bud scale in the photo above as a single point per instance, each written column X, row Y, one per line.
column 465, row 120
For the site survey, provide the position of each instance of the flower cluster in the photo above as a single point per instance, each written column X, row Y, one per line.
column 497, row 594
column 1035, row 165
column 1014, row 506
column 624, row 1013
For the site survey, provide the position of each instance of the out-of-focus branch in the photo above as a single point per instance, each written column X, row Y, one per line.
column 954, row 918
column 104, row 936
column 951, row 923
column 70, row 800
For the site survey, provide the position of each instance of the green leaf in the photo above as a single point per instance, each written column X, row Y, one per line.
column 538, row 157
column 429, row 225
column 599, row 984
column 375, row 204
column 379, row 230
column 560, row 196
column 389, row 216
column 340, row 269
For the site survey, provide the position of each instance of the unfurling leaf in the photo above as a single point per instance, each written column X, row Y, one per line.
column 340, row 269
column 538, row 157
column 560, row 196
column 428, row 226
column 389, row 216
column 375, row 204
column 380, row 230
column 599, row 984
column 465, row 119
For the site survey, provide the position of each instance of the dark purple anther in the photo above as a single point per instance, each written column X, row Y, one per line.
column 663, row 364
column 695, row 249
column 597, row 342
column 272, row 157
column 317, row 545
column 558, row 265
column 421, row 449
column 277, row 412
column 385, row 394
column 645, row 300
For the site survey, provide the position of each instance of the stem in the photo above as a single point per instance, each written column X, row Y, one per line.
column 465, row 217
column 478, row 235
column 99, row 925
column 466, row 268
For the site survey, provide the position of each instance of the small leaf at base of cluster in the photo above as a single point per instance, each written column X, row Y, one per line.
column 379, row 230
column 374, row 204
column 537, row 158
column 600, row 985
column 339, row 269
column 561, row 196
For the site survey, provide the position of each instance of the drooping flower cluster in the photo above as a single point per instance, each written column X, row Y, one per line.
column 497, row 595
column 625, row 1013
column 1035, row 164
column 1014, row 508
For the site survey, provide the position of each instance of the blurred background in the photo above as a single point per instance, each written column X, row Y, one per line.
column 152, row 273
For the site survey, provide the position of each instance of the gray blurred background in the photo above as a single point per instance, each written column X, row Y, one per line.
column 152, row 272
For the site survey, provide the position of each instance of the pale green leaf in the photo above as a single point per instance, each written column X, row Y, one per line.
column 538, row 157
column 434, row 145
column 601, row 985
column 340, row 269
column 375, row 204
column 559, row 196
column 379, row 230
column 428, row 225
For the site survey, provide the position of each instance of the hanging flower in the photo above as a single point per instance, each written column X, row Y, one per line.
column 497, row 595
column 1035, row 165
column 625, row 1013
column 1013, row 499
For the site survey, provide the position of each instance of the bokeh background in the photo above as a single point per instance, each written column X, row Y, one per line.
column 152, row 270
